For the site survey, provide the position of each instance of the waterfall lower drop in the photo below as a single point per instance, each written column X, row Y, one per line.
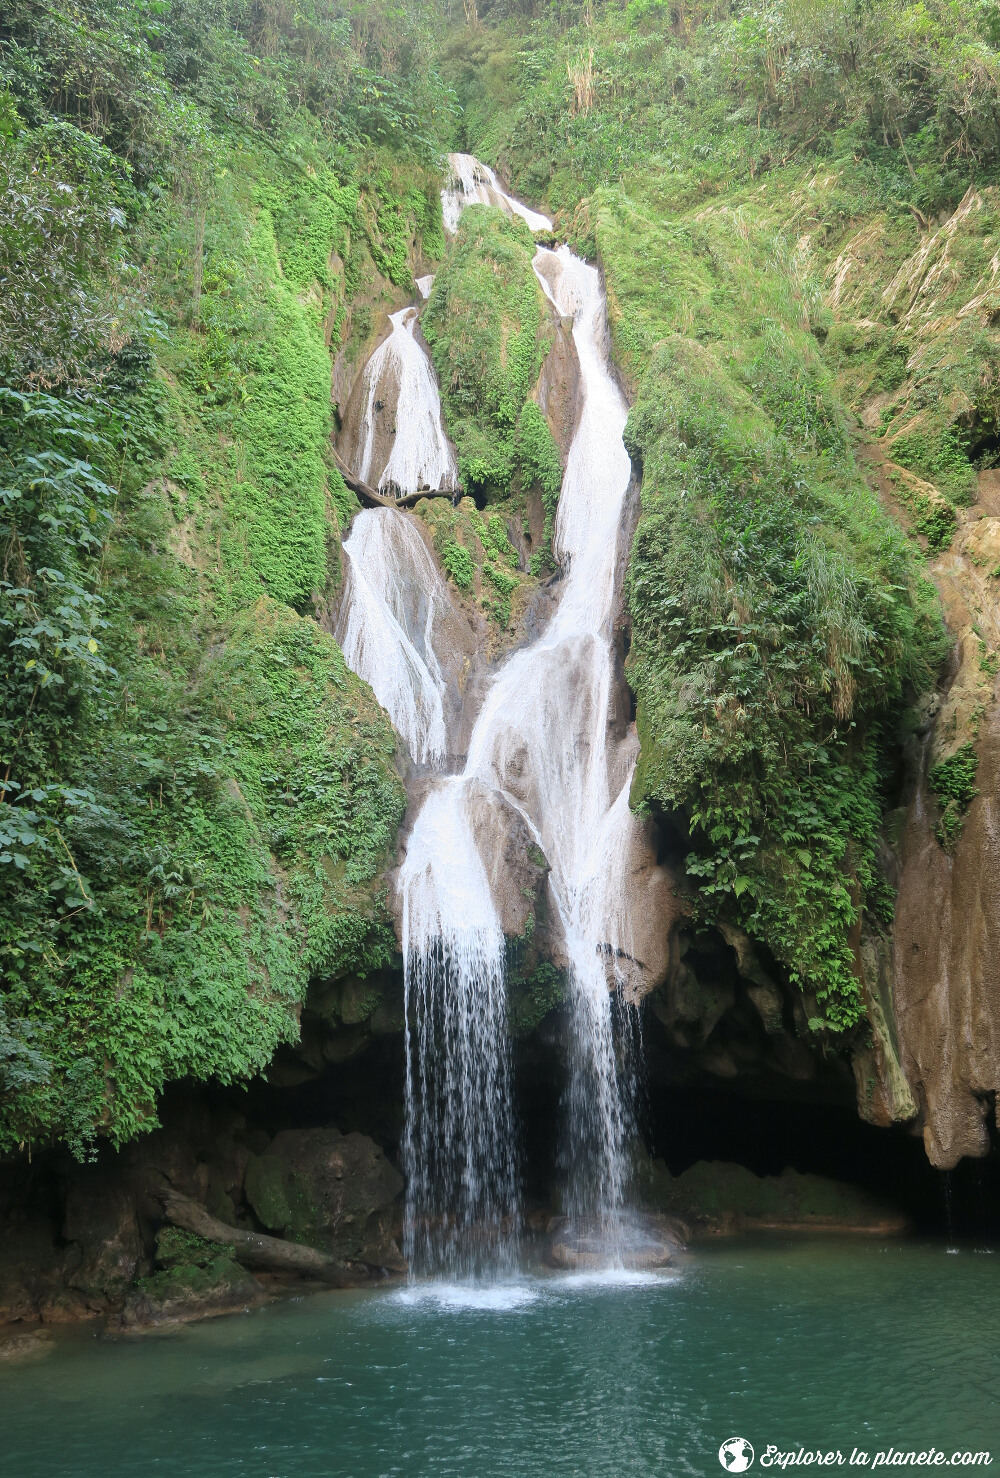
column 461, row 1206
column 400, row 375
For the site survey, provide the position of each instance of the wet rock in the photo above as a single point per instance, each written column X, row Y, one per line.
column 640, row 1243
column 102, row 1220
column 328, row 1190
column 557, row 392
column 179, row 1295
column 70, row 1306
column 516, row 868
column 195, row 1279
column 32, row 1344
column 653, row 908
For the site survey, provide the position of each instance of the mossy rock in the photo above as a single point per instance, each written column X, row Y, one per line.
column 193, row 1290
column 328, row 1190
column 717, row 1197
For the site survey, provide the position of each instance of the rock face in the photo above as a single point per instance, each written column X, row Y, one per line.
column 330, row 1190
column 556, row 393
column 938, row 989
column 947, row 964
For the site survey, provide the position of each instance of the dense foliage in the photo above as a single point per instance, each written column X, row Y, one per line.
column 755, row 181
column 196, row 797
column 200, row 205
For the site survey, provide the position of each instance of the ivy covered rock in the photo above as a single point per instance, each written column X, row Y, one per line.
column 488, row 329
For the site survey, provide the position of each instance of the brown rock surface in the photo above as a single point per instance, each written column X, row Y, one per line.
column 556, row 393
column 947, row 964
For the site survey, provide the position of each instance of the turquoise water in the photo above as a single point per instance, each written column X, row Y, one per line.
column 818, row 1344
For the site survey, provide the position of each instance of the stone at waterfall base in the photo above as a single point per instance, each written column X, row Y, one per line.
column 641, row 1244
column 715, row 1198
column 178, row 1295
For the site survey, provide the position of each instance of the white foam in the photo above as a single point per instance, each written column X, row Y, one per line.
column 493, row 1298
column 394, row 599
column 421, row 456
column 599, row 1278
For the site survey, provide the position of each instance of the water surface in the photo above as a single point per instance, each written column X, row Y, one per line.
column 815, row 1343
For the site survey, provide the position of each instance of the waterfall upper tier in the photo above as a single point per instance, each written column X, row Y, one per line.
column 471, row 182
column 393, row 435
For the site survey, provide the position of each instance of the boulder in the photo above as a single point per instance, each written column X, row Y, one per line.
column 328, row 1190
column 194, row 1280
column 716, row 1197
column 637, row 1243
column 179, row 1294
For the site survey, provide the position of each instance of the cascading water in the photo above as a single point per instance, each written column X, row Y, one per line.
column 399, row 383
column 472, row 183
column 541, row 741
column 394, row 599
column 541, row 744
column 461, row 1196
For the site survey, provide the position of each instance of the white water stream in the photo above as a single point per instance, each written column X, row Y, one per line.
column 540, row 744
column 394, row 600
column 400, row 374
column 472, row 183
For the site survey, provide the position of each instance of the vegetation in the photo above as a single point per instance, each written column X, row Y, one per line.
column 953, row 782
column 489, row 330
column 196, row 797
column 200, row 206
column 758, row 184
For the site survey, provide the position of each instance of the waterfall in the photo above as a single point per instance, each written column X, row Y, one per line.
column 461, row 1196
column 394, row 598
column 541, row 742
column 402, row 402
column 473, row 183
column 540, row 745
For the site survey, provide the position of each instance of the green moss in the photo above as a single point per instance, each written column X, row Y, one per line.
column 952, row 780
column 532, row 996
column 485, row 324
column 176, row 1248
column 541, row 466
column 458, row 564
column 941, row 458
column 194, row 1282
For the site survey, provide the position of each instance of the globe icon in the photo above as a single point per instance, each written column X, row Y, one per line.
column 736, row 1455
